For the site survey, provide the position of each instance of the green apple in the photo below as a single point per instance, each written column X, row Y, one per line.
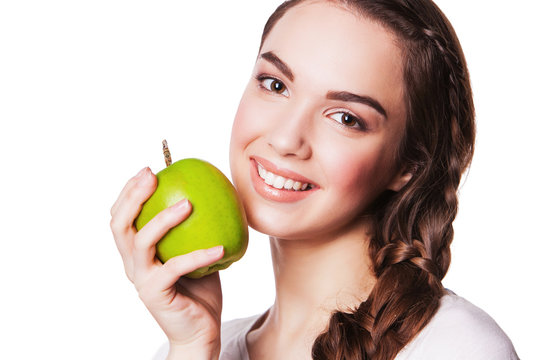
column 217, row 216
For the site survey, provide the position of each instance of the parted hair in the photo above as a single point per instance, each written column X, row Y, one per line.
column 412, row 228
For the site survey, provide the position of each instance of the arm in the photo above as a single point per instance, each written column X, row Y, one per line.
column 188, row 311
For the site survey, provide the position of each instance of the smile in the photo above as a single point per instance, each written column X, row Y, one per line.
column 279, row 182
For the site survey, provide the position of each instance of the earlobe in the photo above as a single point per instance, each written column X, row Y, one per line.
column 401, row 179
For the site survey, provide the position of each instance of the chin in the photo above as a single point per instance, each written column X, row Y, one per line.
column 274, row 225
column 282, row 225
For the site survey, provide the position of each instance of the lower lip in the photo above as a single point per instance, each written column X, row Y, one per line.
column 271, row 193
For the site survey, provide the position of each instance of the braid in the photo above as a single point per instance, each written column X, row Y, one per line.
column 407, row 289
column 412, row 229
column 410, row 247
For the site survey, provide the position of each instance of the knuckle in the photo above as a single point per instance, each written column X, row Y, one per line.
column 131, row 195
column 172, row 265
column 198, row 256
column 167, row 218
column 189, row 260
column 115, row 227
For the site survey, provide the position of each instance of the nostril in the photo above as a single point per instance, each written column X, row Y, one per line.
column 287, row 147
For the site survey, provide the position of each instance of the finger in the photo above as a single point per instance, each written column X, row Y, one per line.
column 128, row 207
column 129, row 203
column 144, row 250
column 169, row 273
column 130, row 184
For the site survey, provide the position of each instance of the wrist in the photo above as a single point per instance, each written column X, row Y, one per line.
column 183, row 352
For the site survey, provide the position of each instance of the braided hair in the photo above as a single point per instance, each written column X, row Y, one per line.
column 412, row 232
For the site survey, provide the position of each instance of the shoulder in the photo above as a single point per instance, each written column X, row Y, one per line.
column 233, row 338
column 162, row 352
column 233, row 346
column 233, row 328
column 460, row 330
column 458, row 314
column 238, row 323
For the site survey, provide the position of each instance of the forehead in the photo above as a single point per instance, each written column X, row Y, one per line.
column 331, row 48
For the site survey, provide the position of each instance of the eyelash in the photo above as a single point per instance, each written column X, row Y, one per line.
column 262, row 78
column 358, row 125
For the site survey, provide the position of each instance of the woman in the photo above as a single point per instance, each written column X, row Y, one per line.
column 347, row 150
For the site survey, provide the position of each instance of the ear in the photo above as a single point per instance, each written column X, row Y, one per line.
column 400, row 180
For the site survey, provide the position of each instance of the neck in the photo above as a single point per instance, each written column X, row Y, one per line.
column 313, row 279
column 320, row 276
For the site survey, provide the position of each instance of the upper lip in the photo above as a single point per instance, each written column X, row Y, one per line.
column 286, row 173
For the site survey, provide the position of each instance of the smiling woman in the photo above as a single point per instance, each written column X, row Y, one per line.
column 328, row 118
column 347, row 150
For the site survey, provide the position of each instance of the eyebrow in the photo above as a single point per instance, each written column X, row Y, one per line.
column 277, row 62
column 331, row 95
column 350, row 97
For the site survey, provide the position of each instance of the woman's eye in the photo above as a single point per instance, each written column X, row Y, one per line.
column 348, row 120
column 274, row 85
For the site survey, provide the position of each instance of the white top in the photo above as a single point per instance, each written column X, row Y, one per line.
column 458, row 330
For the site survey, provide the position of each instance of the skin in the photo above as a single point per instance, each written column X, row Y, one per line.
column 319, row 244
column 188, row 311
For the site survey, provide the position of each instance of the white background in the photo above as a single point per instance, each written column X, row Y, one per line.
column 88, row 89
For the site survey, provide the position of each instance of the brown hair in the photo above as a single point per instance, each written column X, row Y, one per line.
column 410, row 244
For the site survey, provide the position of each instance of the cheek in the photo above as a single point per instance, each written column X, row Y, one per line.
column 243, row 128
column 250, row 121
column 359, row 175
column 248, row 126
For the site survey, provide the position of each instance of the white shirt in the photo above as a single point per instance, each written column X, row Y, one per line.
column 458, row 331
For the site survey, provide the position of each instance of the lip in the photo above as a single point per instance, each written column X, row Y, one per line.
column 286, row 173
column 270, row 193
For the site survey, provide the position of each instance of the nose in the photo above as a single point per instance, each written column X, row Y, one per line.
column 290, row 135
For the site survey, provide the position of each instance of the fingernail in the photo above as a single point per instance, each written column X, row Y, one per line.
column 142, row 177
column 140, row 173
column 182, row 205
column 214, row 251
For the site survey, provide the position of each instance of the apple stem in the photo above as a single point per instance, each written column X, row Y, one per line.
column 166, row 153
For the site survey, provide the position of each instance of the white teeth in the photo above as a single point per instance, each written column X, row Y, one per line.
column 262, row 171
column 269, row 179
column 279, row 182
column 288, row 184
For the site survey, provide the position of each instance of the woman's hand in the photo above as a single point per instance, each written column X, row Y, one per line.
column 188, row 311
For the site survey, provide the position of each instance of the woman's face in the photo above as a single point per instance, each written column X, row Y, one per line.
column 323, row 112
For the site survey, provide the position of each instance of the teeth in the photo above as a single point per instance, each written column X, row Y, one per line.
column 262, row 172
column 279, row 182
column 288, row 184
column 269, row 179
